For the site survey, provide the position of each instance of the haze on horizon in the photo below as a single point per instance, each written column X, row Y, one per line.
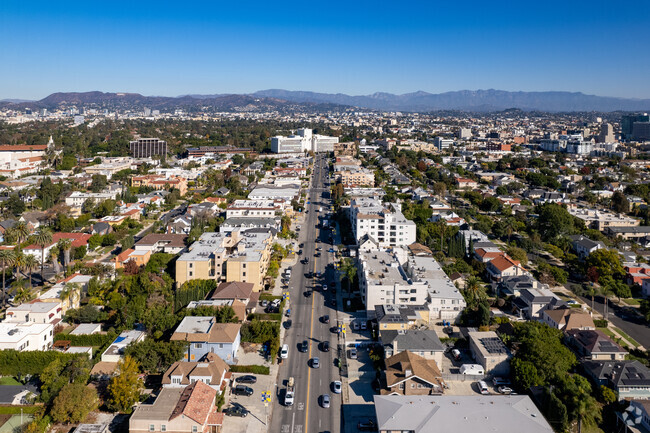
column 161, row 48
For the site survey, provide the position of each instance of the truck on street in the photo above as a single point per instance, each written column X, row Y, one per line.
column 289, row 395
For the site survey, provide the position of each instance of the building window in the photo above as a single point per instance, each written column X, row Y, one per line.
column 194, row 429
column 243, row 265
column 191, row 265
column 401, row 385
column 163, row 427
column 191, row 273
column 198, row 345
column 151, row 427
column 243, row 274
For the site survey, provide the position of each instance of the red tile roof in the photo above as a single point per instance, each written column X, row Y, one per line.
column 78, row 240
column 196, row 402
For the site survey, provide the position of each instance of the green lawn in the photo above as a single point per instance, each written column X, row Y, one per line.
column 8, row 380
column 627, row 337
column 632, row 301
column 607, row 332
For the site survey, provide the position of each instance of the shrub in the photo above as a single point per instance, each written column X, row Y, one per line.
column 255, row 369
column 600, row 323
column 86, row 340
column 14, row 363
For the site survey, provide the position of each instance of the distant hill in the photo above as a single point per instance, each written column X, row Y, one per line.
column 469, row 100
column 285, row 100
column 135, row 101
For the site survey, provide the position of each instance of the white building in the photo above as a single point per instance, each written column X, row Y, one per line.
column 271, row 192
column 77, row 198
column 18, row 160
column 34, row 312
column 115, row 351
column 256, row 208
column 444, row 299
column 384, row 222
column 304, row 141
column 26, row 336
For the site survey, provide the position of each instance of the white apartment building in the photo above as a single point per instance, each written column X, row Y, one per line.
column 384, row 222
column 600, row 220
column 445, row 300
column 256, row 208
column 76, row 199
column 26, row 336
column 383, row 281
column 303, row 141
column 272, row 192
column 35, row 312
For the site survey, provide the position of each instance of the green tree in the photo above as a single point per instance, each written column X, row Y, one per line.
column 518, row 254
column 620, row 203
column 94, row 241
column 98, row 183
column 156, row 356
column 7, row 258
column 15, row 205
column 125, row 387
column 607, row 263
column 73, row 403
column 607, row 395
column 554, row 221
column 43, row 238
column 524, row 373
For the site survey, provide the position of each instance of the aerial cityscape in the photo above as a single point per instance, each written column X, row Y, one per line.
column 290, row 218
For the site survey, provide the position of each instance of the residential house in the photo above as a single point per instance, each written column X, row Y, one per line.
column 400, row 317
column 162, row 243
column 636, row 273
column 636, row 417
column 465, row 183
column 115, row 352
column 513, row 285
column 566, row 319
column 237, row 291
column 489, row 350
column 77, row 240
column 35, row 311
column 205, row 336
column 459, row 413
column 602, row 220
column 67, row 298
column 584, row 246
column 179, row 410
column 140, row 257
column 532, row 302
column 422, row 342
column 410, row 374
column 26, row 336
column 630, row 379
column 594, row 345
column 180, row 225
column 504, row 266
column 211, row 370
column 630, row 232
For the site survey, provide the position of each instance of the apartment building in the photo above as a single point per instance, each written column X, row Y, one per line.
column 273, row 192
column 444, row 300
column 109, row 166
column 490, row 351
column 232, row 256
column 303, row 141
column 76, row 199
column 160, row 182
column 26, row 336
column 384, row 222
column 35, row 311
column 355, row 176
column 257, row 208
column 601, row 220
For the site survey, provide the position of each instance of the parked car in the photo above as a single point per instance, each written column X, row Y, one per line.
column 355, row 326
column 284, row 352
column 287, row 324
column 505, row 390
column 307, row 293
column 242, row 390
column 456, row 354
column 368, row 425
column 264, row 303
column 336, row 387
column 353, row 353
column 364, row 325
column 236, row 411
column 249, row 378
column 498, row 381
column 325, row 400
column 482, row 387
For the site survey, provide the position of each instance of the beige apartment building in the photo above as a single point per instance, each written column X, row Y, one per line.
column 356, row 176
column 233, row 256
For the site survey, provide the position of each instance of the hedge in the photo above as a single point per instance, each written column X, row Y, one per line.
column 600, row 323
column 86, row 340
column 13, row 363
column 256, row 369
column 12, row 410
column 265, row 316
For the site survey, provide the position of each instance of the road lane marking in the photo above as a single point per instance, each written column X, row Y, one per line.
column 293, row 420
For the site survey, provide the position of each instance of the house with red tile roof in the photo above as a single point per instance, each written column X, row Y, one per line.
column 504, row 266
column 78, row 240
column 188, row 409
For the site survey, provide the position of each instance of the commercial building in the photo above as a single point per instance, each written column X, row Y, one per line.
column 109, row 166
column 272, row 192
column 304, row 141
column 601, row 220
column 148, row 147
column 384, row 222
column 489, row 351
column 459, row 413
column 628, row 121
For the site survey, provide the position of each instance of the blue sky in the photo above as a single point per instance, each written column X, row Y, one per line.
column 354, row 47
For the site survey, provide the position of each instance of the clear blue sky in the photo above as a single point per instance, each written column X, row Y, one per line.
column 355, row 47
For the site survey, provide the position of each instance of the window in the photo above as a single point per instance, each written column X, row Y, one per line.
column 191, row 265
column 220, row 345
column 412, row 385
column 198, row 345
column 243, row 265
column 151, row 427
column 191, row 273
column 243, row 274
column 401, row 385
column 163, row 427
column 194, row 429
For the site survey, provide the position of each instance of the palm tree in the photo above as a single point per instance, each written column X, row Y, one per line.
column 54, row 257
column 43, row 238
column 606, row 291
column 21, row 231
column 70, row 293
column 19, row 263
column 65, row 245
column 6, row 258
column 473, row 289
column 31, row 264
column 23, row 293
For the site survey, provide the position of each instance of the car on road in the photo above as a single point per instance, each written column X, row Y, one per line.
column 505, row 390
column 249, row 378
column 299, row 252
column 325, row 400
column 325, row 346
column 236, row 411
column 325, row 318
column 304, row 346
column 307, row 293
column 287, row 324
column 353, row 353
column 367, row 425
column 242, row 390
column 315, row 363
column 284, row 352
column 336, row 387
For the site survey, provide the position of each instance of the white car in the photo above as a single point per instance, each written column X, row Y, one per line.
column 284, row 352
column 336, row 386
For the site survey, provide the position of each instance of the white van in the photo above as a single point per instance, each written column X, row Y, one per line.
column 482, row 387
column 284, row 352
column 471, row 369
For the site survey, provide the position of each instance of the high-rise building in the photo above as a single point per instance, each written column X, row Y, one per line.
column 627, row 123
column 606, row 133
column 641, row 131
column 148, row 147
column 303, row 141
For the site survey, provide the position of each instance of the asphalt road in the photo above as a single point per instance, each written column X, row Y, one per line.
column 306, row 414
column 632, row 326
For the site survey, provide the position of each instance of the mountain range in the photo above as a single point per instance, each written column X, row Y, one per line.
column 278, row 99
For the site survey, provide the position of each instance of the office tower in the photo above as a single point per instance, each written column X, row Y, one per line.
column 148, row 147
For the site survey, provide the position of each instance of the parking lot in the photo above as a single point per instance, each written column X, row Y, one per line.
column 361, row 374
column 352, row 414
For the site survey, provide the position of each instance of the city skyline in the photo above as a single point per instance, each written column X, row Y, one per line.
column 358, row 49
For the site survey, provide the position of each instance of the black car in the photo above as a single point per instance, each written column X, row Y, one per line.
column 287, row 324
column 236, row 411
column 368, row 425
column 325, row 319
column 302, row 245
column 242, row 390
column 317, row 254
column 325, row 346
column 307, row 293
column 248, row 378
column 304, row 346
